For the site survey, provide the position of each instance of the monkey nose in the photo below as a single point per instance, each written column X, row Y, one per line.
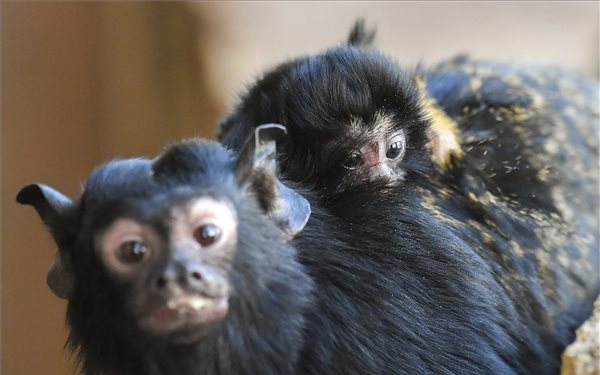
column 180, row 274
column 370, row 155
column 191, row 277
column 383, row 170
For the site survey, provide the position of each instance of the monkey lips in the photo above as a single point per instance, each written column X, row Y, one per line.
column 182, row 317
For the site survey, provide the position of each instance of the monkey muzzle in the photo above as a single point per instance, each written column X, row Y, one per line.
column 183, row 318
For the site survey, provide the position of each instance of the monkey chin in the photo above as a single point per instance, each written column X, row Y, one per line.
column 186, row 318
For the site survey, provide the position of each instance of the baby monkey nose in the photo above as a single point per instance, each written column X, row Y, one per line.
column 196, row 275
column 370, row 154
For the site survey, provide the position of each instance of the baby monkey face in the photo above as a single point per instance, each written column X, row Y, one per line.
column 383, row 147
column 379, row 150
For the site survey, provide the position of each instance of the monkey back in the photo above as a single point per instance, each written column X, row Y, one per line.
column 528, row 179
column 512, row 180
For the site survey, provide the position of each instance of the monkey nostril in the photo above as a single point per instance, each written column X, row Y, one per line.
column 196, row 275
column 161, row 282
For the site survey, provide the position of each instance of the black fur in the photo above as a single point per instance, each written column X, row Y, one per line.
column 315, row 98
column 406, row 294
column 439, row 274
column 359, row 36
column 489, row 255
column 264, row 332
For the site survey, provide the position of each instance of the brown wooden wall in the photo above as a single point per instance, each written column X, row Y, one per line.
column 81, row 83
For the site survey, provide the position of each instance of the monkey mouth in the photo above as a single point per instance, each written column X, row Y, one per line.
column 194, row 303
column 183, row 315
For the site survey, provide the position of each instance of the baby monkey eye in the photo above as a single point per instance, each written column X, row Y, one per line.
column 207, row 234
column 394, row 150
column 353, row 161
column 396, row 146
column 132, row 252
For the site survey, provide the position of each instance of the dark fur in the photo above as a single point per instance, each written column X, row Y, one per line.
column 405, row 294
column 263, row 333
column 344, row 82
column 487, row 257
column 430, row 276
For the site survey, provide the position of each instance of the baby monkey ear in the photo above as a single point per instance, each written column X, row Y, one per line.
column 51, row 206
column 256, row 166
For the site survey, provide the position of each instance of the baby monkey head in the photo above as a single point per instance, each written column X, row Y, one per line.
column 352, row 113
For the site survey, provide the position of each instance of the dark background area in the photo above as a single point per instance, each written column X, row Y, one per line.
column 86, row 82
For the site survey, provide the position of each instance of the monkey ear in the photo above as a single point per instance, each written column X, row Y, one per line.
column 360, row 36
column 257, row 166
column 52, row 205
column 61, row 276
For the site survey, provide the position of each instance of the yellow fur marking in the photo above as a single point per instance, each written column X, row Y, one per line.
column 443, row 135
column 444, row 138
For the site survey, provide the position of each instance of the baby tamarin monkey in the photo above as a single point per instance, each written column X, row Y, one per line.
column 505, row 155
column 521, row 132
column 352, row 114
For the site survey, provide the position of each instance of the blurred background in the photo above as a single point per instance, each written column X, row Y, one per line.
column 83, row 82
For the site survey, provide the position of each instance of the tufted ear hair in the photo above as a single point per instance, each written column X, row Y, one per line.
column 256, row 166
column 52, row 206
column 360, row 36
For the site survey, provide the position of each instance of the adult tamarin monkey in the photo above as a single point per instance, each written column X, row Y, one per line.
column 505, row 155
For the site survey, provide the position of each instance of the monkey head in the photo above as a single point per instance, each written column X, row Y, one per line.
column 353, row 115
column 160, row 251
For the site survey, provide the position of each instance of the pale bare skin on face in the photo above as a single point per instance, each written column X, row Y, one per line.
column 197, row 214
column 192, row 285
column 382, row 155
column 378, row 158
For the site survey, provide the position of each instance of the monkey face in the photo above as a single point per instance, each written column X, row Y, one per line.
column 380, row 152
column 353, row 116
column 178, row 277
column 188, row 248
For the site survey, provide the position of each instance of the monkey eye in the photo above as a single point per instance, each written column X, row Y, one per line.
column 394, row 150
column 207, row 234
column 396, row 147
column 132, row 252
column 353, row 161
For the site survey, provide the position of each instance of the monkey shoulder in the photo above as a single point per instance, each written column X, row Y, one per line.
column 530, row 130
column 526, row 193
